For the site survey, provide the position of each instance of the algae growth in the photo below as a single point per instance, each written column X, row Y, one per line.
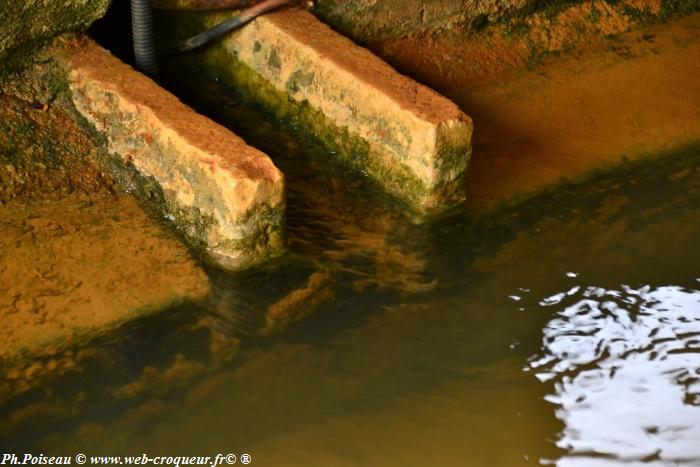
column 224, row 73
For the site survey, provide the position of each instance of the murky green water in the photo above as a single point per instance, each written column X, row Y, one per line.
column 564, row 330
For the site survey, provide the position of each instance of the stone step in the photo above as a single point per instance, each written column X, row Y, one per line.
column 226, row 196
column 411, row 140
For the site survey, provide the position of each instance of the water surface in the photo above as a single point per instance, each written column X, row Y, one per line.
column 564, row 329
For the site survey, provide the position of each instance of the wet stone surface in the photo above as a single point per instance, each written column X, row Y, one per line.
column 79, row 266
column 227, row 197
column 28, row 25
column 411, row 141
column 78, row 256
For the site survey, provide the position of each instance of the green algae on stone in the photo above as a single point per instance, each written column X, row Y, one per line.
column 26, row 26
column 263, row 226
column 62, row 144
column 44, row 151
column 190, row 170
column 348, row 150
column 265, row 234
column 385, row 160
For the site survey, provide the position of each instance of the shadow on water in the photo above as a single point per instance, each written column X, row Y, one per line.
column 377, row 340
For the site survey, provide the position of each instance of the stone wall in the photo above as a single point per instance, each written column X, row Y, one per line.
column 371, row 21
column 26, row 25
column 452, row 43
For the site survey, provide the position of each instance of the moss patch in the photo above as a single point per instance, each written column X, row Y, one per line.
column 43, row 151
column 309, row 123
column 265, row 235
column 27, row 26
column 260, row 241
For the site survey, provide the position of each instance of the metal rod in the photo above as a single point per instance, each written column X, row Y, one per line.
column 220, row 29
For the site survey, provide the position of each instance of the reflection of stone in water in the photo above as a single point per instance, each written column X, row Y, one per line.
column 399, row 270
column 395, row 266
column 299, row 303
column 264, row 301
column 626, row 371
column 223, row 346
column 23, row 376
column 44, row 410
column 154, row 381
column 121, row 369
column 231, row 317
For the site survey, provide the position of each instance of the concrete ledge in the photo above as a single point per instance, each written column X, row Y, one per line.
column 413, row 141
column 225, row 195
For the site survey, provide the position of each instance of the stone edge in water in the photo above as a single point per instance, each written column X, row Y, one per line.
column 194, row 187
column 429, row 180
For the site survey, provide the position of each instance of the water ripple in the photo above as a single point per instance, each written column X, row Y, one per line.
column 625, row 370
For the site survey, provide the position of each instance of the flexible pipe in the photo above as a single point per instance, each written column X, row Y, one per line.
column 143, row 38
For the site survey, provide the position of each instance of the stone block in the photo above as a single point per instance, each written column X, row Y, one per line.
column 226, row 196
column 414, row 142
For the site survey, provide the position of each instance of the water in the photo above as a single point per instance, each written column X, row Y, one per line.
column 625, row 365
column 562, row 330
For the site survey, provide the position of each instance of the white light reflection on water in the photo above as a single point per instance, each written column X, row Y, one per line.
column 625, row 369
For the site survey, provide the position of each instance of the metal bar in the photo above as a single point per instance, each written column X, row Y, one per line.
column 230, row 24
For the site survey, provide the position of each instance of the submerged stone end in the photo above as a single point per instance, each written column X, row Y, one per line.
column 225, row 196
column 452, row 154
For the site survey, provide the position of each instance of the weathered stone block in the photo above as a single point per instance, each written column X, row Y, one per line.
column 413, row 141
column 225, row 195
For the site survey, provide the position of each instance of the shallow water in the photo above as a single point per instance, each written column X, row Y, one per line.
column 564, row 329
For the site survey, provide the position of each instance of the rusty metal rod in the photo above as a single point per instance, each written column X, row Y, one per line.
column 220, row 29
